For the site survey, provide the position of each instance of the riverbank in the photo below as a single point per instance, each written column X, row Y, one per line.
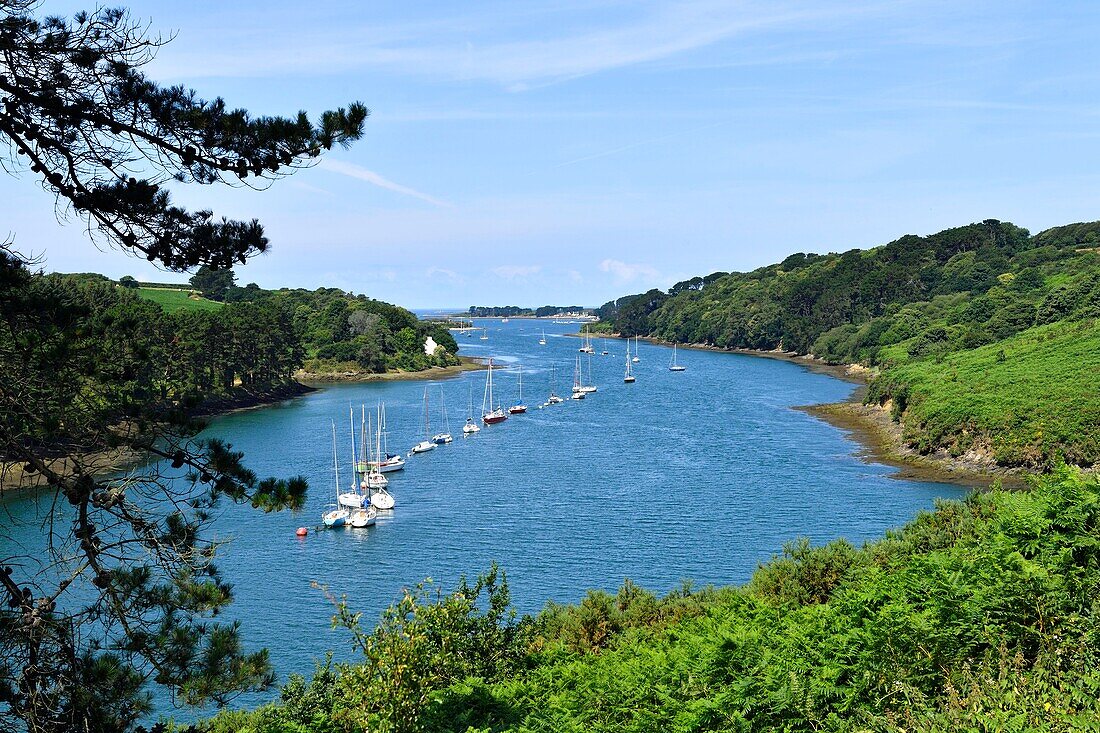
column 13, row 477
column 467, row 364
column 879, row 436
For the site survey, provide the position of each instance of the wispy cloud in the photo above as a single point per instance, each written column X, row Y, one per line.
column 625, row 272
column 481, row 46
column 516, row 272
column 442, row 273
column 363, row 174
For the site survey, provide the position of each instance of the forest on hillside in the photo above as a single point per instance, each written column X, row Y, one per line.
column 963, row 330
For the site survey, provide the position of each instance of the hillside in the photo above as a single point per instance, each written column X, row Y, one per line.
column 173, row 300
column 925, row 302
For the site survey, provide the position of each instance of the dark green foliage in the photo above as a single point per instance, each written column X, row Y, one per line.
column 213, row 283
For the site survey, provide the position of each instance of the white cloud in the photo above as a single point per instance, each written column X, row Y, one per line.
column 442, row 273
column 625, row 272
column 516, row 272
column 355, row 171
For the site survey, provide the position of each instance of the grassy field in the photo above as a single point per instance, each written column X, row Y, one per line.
column 177, row 300
column 1029, row 399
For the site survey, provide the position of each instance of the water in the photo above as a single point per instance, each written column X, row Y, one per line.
column 696, row 475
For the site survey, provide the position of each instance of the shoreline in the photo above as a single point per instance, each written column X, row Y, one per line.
column 871, row 427
column 467, row 364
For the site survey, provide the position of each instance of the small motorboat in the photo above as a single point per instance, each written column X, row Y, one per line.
column 470, row 427
column 423, row 447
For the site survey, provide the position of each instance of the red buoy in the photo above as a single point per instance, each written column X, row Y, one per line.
column 302, row 532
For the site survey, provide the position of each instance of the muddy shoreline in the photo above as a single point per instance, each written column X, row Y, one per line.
column 468, row 364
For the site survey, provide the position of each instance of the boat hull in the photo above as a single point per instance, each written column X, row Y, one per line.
column 517, row 410
column 493, row 419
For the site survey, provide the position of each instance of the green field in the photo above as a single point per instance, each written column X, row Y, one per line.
column 1030, row 399
column 177, row 300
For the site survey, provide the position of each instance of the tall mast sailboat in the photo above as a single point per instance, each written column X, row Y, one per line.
column 364, row 514
column 353, row 498
column 471, row 425
column 542, row 341
column 635, row 359
column 425, row 445
column 629, row 376
column 384, row 460
column 335, row 515
column 673, row 366
column 588, row 386
column 578, row 388
column 372, row 476
column 519, row 407
column 490, row 412
column 380, row 498
column 444, row 436
column 586, row 347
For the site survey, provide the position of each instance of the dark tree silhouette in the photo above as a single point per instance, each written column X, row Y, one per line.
column 120, row 593
column 78, row 113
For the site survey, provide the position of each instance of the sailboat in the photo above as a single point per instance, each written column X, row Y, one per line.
column 554, row 398
column 519, row 407
column 427, row 444
column 471, row 425
column 604, row 352
column 353, row 499
column 379, row 497
column 384, row 460
column 484, row 334
column 372, row 477
column 629, row 376
column 672, row 365
column 578, row 388
column 335, row 515
column 444, row 436
column 588, row 387
column 490, row 414
column 363, row 515
column 635, row 359
column 542, row 341
column 586, row 347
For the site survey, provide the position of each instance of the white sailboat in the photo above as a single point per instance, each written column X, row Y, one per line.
column 443, row 436
column 379, row 497
column 586, row 347
column 471, row 425
column 635, row 359
column 335, row 515
column 629, row 376
column 519, row 407
column 491, row 413
column 372, row 478
column 353, row 499
column 588, row 387
column 542, row 341
column 384, row 460
column 363, row 515
column 578, row 387
column 484, row 334
column 554, row 398
column 427, row 444
column 604, row 352
column 672, row 365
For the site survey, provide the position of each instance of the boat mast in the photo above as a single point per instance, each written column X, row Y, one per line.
column 335, row 464
column 354, row 464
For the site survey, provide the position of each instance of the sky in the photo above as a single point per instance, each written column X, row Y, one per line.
column 572, row 152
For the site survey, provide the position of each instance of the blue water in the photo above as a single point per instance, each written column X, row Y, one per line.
column 696, row 475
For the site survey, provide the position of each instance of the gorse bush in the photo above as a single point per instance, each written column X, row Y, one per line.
column 981, row 615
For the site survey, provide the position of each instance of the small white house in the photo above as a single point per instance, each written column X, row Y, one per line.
column 430, row 346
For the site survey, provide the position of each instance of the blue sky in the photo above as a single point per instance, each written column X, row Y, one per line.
column 570, row 152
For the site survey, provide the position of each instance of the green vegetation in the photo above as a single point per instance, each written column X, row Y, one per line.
column 178, row 300
column 924, row 302
column 507, row 311
column 1030, row 399
column 981, row 616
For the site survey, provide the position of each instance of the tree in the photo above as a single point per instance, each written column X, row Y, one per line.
column 127, row 281
column 121, row 594
column 105, row 140
column 214, row 284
